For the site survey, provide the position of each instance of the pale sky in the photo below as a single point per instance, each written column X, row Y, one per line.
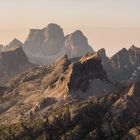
column 111, row 24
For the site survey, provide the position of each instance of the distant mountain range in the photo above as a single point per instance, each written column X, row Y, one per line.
column 43, row 46
column 55, row 87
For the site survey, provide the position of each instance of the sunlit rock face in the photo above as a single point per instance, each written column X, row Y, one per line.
column 46, row 45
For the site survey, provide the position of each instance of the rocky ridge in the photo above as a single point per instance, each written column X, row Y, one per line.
column 12, row 45
column 12, row 62
column 33, row 89
column 113, row 116
column 122, row 65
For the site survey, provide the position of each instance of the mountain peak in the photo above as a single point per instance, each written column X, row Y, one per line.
column 12, row 62
column 53, row 31
column 15, row 41
column 14, row 54
column 14, row 44
column 53, row 25
column 78, row 32
column 102, row 53
column 122, row 53
column 134, row 49
column 78, row 35
column 123, row 50
column 51, row 43
column 87, row 70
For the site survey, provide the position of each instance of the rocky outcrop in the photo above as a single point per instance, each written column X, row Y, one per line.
column 123, row 115
column 103, row 55
column 78, row 79
column 13, row 44
column 44, row 46
column 88, row 68
column 69, row 100
column 12, row 62
column 122, row 66
column 48, row 41
column 58, row 82
column 121, row 59
column 113, row 116
column 76, row 44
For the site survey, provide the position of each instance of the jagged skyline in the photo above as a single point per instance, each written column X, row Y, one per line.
column 98, row 19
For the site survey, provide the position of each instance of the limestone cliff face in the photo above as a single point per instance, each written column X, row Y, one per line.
column 46, row 45
column 54, row 40
column 47, row 41
column 38, row 36
column 82, row 78
column 87, row 69
column 76, row 44
column 12, row 62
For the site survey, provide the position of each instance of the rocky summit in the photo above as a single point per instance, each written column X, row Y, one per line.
column 121, row 66
column 44, row 46
column 12, row 62
column 12, row 45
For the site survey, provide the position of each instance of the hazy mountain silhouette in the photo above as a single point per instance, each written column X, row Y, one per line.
column 44, row 46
